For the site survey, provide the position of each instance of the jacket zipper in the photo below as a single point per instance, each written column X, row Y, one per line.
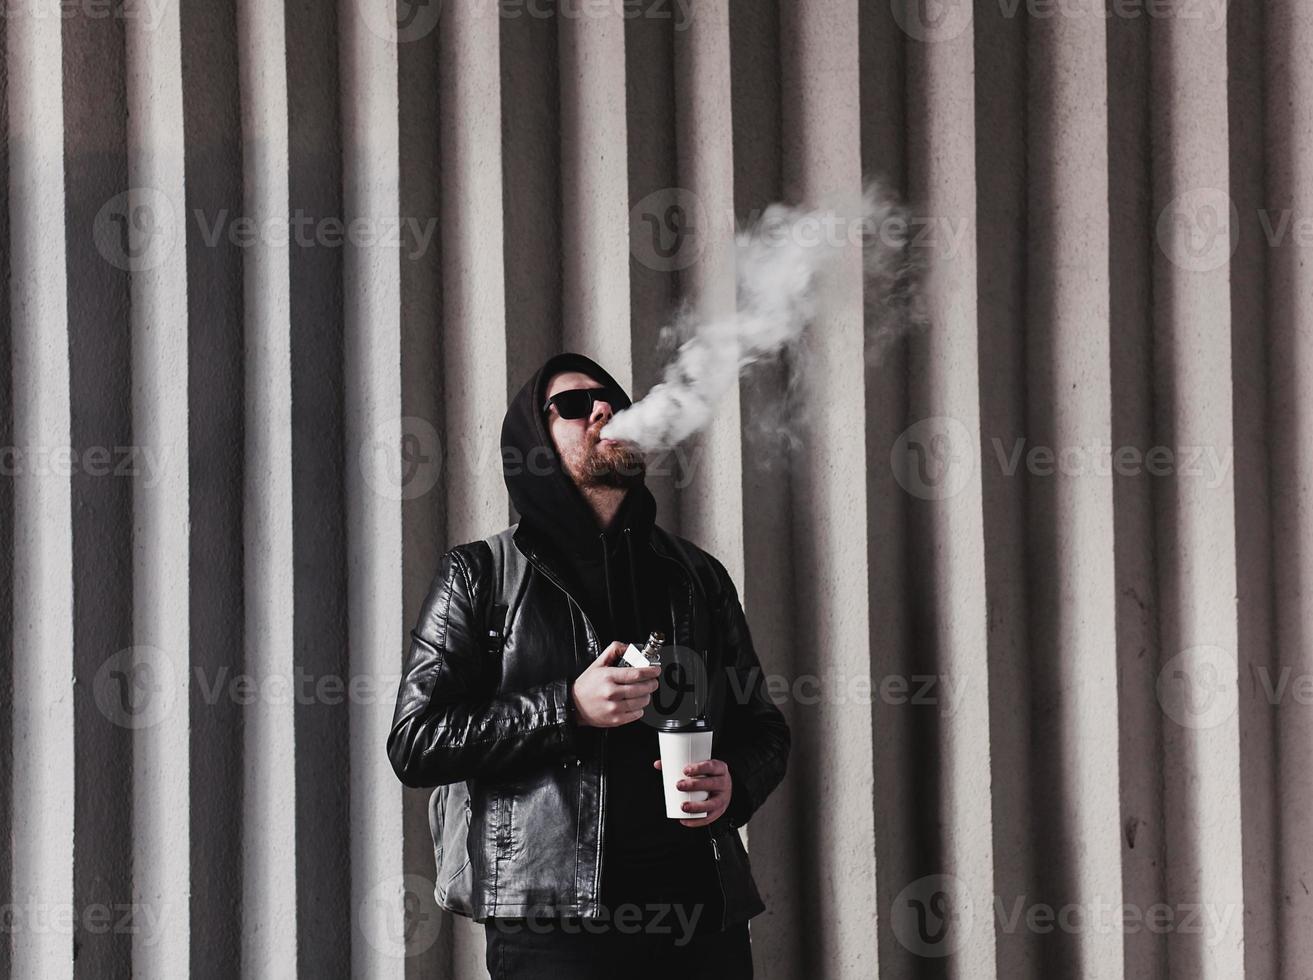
column 715, row 848
column 720, row 883
column 601, row 775
column 601, row 812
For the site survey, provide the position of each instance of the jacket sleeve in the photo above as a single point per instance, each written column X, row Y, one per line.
column 757, row 738
column 450, row 722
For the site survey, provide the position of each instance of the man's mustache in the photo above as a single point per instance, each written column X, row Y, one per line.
column 594, row 435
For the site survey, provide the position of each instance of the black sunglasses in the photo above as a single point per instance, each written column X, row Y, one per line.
column 577, row 403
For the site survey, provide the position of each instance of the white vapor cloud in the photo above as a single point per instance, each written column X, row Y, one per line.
column 779, row 260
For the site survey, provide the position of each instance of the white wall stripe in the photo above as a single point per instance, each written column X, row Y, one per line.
column 474, row 304
column 269, row 858
column 1197, row 573
column 705, row 133
column 43, row 758
column 946, row 528
column 372, row 284
column 595, row 193
column 161, row 589
column 822, row 161
column 1071, row 516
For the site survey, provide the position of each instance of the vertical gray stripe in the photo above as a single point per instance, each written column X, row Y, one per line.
column 531, row 176
column 778, row 853
column 1130, row 261
column 323, row 883
column 884, row 151
column 100, row 386
column 422, row 392
column 820, row 69
column 216, row 398
column 1195, row 532
column 1288, row 197
column 658, row 216
column 7, row 473
column 1251, row 373
column 595, row 297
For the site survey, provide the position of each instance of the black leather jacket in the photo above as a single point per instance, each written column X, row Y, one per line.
column 519, row 815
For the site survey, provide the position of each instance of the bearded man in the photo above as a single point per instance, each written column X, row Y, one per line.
column 549, row 818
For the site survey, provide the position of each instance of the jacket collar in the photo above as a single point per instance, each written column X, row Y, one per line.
column 691, row 615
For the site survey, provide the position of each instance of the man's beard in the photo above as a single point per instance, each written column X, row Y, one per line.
column 618, row 465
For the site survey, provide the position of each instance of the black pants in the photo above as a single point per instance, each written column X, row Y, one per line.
column 564, row 948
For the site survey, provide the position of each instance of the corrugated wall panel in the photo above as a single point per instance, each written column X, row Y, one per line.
column 1257, row 654
column 756, row 121
column 1130, row 262
column 704, row 134
column 267, row 910
column 7, row 568
column 161, row 779
column 1195, row 518
column 97, row 193
column 832, row 755
column 662, row 237
column 953, row 892
column 1086, row 670
column 210, row 130
column 319, row 613
column 1289, row 203
column 42, row 756
column 474, row 305
column 1003, row 181
column 883, row 121
column 414, row 922
column 372, row 383
column 1071, row 542
column 594, row 184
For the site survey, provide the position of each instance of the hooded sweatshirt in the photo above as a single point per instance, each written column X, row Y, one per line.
column 622, row 586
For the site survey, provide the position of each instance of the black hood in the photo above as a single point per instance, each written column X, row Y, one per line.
column 551, row 508
column 600, row 565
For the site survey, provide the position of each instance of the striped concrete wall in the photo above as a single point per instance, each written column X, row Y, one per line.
column 1032, row 581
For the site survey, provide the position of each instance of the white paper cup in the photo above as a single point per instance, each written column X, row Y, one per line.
column 679, row 749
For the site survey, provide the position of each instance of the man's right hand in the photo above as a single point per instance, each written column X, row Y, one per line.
column 606, row 696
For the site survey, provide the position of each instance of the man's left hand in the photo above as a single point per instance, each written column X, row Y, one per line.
column 711, row 776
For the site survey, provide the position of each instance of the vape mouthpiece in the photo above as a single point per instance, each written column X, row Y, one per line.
column 649, row 655
column 652, row 648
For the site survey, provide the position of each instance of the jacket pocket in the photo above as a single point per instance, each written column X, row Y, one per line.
column 437, row 818
column 465, row 863
column 449, row 822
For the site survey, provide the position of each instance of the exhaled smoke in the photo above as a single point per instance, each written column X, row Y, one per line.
column 780, row 263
